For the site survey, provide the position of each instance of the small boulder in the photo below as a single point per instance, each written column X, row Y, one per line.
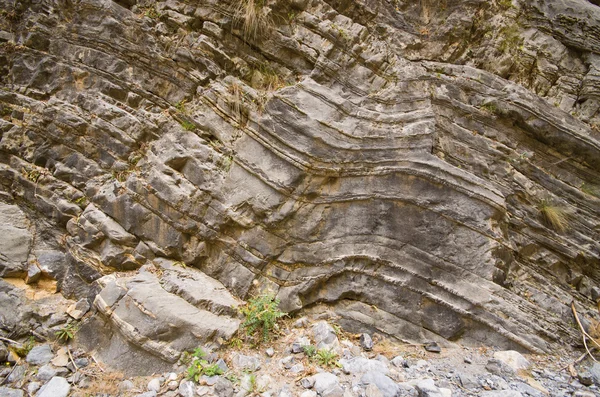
column 360, row 365
column 432, row 347
column 372, row 391
column 513, row 359
column 223, row 387
column 366, row 342
column 298, row 345
column 61, row 359
column 594, row 370
column 155, row 384
column 187, row 388
column 40, row 355
column 427, row 388
column 49, row 371
column 34, row 274
column 387, row 386
column 126, row 385
column 8, row 392
column 325, row 336
column 246, row 363
column 327, row 384
column 32, row 387
column 79, row 309
column 57, row 387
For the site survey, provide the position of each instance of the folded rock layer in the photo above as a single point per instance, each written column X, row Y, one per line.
column 431, row 173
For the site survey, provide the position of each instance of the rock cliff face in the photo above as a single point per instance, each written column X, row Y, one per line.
column 429, row 170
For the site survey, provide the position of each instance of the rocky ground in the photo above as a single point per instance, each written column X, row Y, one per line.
column 307, row 357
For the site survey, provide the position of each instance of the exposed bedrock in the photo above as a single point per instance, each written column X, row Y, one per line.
column 432, row 173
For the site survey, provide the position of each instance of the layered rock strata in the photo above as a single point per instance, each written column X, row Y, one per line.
column 430, row 172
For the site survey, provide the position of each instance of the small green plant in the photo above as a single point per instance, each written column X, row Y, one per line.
column 252, row 386
column 262, row 314
column 236, row 343
column 32, row 175
column 25, row 347
column 121, row 176
column 226, row 162
column 151, row 12
column 180, row 106
column 187, row 125
column 553, row 215
column 199, row 366
column 81, row 201
column 489, row 107
column 67, row 332
column 510, row 39
column 327, row 358
column 309, row 350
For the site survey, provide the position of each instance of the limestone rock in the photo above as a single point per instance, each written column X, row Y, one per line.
column 56, row 387
column 160, row 323
column 513, row 359
column 9, row 392
column 327, row 385
column 15, row 241
column 78, row 309
column 387, row 386
column 407, row 167
column 40, row 355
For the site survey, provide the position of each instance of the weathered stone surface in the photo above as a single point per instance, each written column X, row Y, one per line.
column 513, row 359
column 15, row 241
column 359, row 365
column 40, row 355
column 327, row 385
column 162, row 324
column 387, row 386
column 9, row 392
column 392, row 161
column 56, row 387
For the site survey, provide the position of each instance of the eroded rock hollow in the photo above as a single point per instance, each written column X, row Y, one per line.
column 427, row 170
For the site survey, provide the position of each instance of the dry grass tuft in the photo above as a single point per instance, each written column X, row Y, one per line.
column 254, row 17
column 235, row 100
column 105, row 383
column 554, row 216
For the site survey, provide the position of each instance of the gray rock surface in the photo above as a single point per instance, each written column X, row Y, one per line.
column 9, row 392
column 40, row 355
column 399, row 163
column 387, row 386
column 15, row 241
column 56, row 387
column 327, row 385
column 161, row 323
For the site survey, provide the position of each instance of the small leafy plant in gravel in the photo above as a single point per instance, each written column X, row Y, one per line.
column 327, row 358
column 262, row 314
column 199, row 366
column 309, row 350
column 67, row 332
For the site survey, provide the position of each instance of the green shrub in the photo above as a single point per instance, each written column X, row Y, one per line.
column 67, row 332
column 327, row 358
column 199, row 366
column 261, row 314
column 309, row 350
